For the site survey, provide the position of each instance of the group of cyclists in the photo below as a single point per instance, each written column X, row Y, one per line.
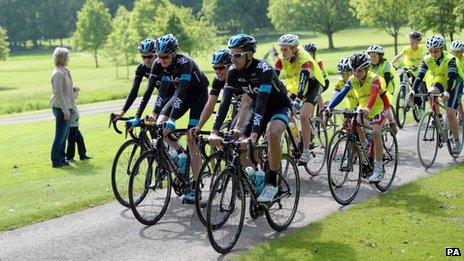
column 269, row 96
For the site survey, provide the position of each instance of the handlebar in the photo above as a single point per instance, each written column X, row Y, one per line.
column 114, row 122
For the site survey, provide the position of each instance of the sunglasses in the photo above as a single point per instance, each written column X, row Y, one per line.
column 164, row 57
column 219, row 68
column 238, row 55
column 147, row 56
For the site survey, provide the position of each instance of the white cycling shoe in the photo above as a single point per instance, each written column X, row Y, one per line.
column 268, row 194
column 377, row 175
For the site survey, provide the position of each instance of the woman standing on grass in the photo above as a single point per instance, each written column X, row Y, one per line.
column 62, row 103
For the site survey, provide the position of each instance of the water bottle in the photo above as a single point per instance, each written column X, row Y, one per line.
column 294, row 131
column 250, row 171
column 259, row 180
column 182, row 163
column 173, row 155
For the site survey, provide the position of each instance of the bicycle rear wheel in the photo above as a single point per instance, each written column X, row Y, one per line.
column 427, row 140
column 121, row 168
column 344, row 171
column 225, row 212
column 390, row 160
column 400, row 107
column 318, row 153
column 209, row 170
column 149, row 189
column 280, row 214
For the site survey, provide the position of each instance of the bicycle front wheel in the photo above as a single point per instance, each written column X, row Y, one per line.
column 149, row 189
column 318, row 153
column 344, row 170
column 427, row 140
column 400, row 107
column 280, row 214
column 390, row 159
column 123, row 163
column 225, row 212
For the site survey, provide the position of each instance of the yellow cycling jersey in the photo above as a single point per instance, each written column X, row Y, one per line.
column 350, row 99
column 290, row 72
column 439, row 73
column 363, row 92
column 381, row 69
column 411, row 57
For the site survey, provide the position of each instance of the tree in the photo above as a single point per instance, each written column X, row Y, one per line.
column 388, row 15
column 92, row 28
column 195, row 5
column 435, row 15
column 236, row 15
column 322, row 16
column 149, row 18
column 4, row 45
column 122, row 41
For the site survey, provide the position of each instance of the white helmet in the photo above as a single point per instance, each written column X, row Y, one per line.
column 436, row 41
column 289, row 39
column 457, row 46
column 343, row 65
column 375, row 49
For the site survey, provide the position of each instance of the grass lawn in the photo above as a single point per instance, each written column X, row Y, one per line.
column 32, row 191
column 414, row 222
column 25, row 76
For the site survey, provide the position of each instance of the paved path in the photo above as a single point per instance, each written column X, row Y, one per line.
column 110, row 232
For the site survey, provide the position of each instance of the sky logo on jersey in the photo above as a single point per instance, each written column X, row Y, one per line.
column 159, row 102
column 257, row 119
column 177, row 103
column 249, row 89
column 264, row 66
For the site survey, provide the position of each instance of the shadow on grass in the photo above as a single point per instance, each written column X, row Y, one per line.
column 81, row 168
column 5, row 88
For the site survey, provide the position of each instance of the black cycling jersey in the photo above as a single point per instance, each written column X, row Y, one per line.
column 216, row 87
column 260, row 82
column 140, row 72
column 186, row 78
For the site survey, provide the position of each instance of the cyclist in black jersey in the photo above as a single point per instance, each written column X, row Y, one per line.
column 147, row 52
column 173, row 70
column 221, row 61
column 260, row 85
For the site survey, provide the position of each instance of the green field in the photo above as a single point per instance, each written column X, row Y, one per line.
column 25, row 77
column 414, row 222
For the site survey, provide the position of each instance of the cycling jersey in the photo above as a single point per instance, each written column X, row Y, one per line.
column 368, row 94
column 411, row 57
column 140, row 72
column 293, row 73
column 385, row 70
column 443, row 71
column 190, row 85
column 260, row 82
column 350, row 98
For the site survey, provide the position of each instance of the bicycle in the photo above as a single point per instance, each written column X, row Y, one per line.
column 125, row 158
column 225, row 213
column 350, row 161
column 402, row 105
column 432, row 133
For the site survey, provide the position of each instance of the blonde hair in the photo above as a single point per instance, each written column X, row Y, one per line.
column 60, row 56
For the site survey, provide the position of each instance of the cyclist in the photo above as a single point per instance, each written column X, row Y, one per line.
column 147, row 52
column 344, row 69
column 367, row 87
column 173, row 70
column 302, row 78
column 260, row 84
column 312, row 49
column 457, row 48
column 381, row 67
column 446, row 77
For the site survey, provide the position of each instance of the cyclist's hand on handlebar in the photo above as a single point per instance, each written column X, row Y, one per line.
column 214, row 139
column 118, row 116
column 195, row 131
column 235, row 133
column 130, row 124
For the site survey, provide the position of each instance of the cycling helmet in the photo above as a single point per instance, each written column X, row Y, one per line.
column 415, row 35
column 360, row 61
column 375, row 49
column 289, row 39
column 167, row 44
column 457, row 46
column 310, row 47
column 436, row 41
column 343, row 65
column 242, row 41
column 147, row 46
column 221, row 57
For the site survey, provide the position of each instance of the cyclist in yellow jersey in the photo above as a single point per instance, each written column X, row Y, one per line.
column 457, row 48
column 367, row 87
column 302, row 78
column 343, row 68
column 446, row 76
column 381, row 67
column 412, row 54
column 312, row 49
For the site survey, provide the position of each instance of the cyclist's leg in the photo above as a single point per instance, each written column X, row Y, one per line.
column 163, row 116
column 452, row 106
column 195, row 111
column 306, row 112
column 377, row 124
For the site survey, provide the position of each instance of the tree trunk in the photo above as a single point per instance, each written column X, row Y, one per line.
column 61, row 41
column 126, row 56
column 331, row 44
column 396, row 43
column 117, row 75
column 451, row 34
column 96, row 60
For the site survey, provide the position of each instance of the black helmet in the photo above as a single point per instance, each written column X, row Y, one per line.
column 310, row 47
column 415, row 35
column 360, row 61
column 242, row 41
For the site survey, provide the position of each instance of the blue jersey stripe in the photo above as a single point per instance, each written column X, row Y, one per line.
column 185, row 77
column 265, row 88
